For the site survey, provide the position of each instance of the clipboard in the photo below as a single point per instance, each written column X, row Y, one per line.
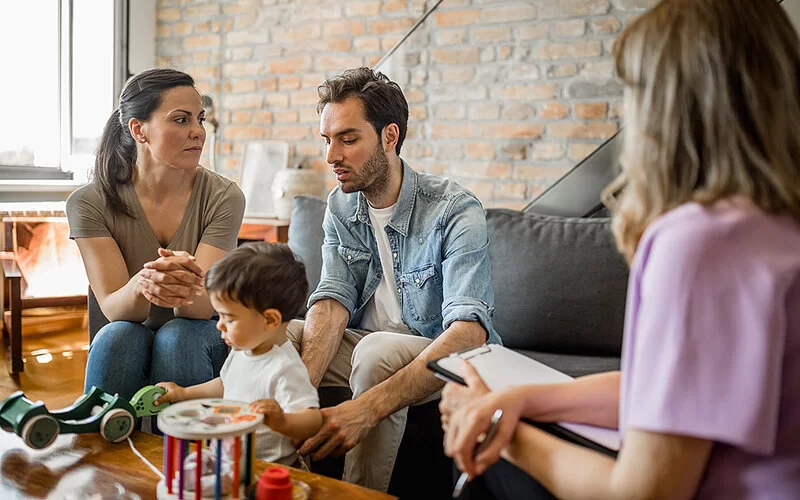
column 501, row 367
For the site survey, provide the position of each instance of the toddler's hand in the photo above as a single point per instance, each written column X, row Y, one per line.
column 272, row 411
column 174, row 393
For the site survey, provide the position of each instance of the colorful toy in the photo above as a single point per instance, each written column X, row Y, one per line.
column 209, row 452
column 187, row 427
column 115, row 419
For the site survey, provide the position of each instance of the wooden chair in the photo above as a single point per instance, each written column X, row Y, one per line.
column 14, row 303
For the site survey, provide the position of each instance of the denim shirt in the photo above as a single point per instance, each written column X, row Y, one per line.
column 439, row 243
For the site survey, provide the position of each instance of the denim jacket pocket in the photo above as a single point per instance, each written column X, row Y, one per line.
column 352, row 255
column 423, row 293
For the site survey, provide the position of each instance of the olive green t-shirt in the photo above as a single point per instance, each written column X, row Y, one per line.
column 213, row 216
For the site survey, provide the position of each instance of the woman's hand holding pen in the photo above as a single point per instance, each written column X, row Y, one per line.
column 455, row 396
column 173, row 280
column 466, row 416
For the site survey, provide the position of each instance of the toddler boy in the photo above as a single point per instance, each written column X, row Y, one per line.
column 256, row 290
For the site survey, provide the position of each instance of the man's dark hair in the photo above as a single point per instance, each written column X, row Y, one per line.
column 261, row 276
column 383, row 100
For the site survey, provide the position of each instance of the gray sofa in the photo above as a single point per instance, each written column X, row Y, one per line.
column 559, row 283
column 559, row 287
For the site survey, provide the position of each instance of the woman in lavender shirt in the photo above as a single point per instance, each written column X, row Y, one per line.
column 707, row 212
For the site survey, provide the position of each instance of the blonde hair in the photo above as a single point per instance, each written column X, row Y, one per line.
column 711, row 111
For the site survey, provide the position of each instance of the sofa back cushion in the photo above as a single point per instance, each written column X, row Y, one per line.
column 559, row 283
column 306, row 236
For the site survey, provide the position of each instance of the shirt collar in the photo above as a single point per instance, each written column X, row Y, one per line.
column 405, row 202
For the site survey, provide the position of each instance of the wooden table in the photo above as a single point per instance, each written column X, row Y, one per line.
column 12, row 300
column 12, row 305
column 77, row 462
column 272, row 230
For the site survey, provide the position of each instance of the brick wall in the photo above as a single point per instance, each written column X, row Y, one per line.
column 505, row 96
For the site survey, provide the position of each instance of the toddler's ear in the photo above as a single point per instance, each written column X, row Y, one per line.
column 273, row 318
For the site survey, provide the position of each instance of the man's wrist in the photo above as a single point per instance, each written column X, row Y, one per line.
column 375, row 405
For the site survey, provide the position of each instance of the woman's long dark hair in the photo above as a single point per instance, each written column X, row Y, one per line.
column 116, row 153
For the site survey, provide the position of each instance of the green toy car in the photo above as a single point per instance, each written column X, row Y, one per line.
column 39, row 427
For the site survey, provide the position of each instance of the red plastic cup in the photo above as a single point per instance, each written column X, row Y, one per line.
column 274, row 484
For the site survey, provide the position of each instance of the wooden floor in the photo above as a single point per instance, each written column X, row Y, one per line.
column 55, row 365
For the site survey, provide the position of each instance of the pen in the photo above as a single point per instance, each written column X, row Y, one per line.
column 495, row 423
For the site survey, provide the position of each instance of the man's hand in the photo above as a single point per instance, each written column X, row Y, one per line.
column 274, row 417
column 174, row 393
column 343, row 427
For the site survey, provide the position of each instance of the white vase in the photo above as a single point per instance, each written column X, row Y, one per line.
column 290, row 182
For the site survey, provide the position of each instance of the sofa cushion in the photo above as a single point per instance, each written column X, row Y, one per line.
column 306, row 236
column 574, row 365
column 559, row 283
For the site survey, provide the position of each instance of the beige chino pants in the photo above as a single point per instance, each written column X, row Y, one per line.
column 363, row 361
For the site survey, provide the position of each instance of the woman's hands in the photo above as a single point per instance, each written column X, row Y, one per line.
column 173, row 280
column 455, row 396
column 466, row 415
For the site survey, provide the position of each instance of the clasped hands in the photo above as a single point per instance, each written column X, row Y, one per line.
column 466, row 414
column 173, row 280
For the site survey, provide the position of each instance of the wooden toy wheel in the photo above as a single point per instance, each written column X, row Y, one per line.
column 40, row 431
column 116, row 425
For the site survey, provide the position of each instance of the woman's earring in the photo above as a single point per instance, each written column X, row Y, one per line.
column 143, row 140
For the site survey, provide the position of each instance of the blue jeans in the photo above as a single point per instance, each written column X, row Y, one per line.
column 125, row 356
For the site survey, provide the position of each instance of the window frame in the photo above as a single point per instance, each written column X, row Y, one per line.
column 67, row 160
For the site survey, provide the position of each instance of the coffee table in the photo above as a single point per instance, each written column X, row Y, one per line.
column 74, row 466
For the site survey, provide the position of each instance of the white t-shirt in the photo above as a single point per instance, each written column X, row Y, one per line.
column 382, row 312
column 277, row 374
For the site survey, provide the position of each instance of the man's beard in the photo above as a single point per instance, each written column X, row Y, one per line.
column 373, row 176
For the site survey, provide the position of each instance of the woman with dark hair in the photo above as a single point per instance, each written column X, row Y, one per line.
column 707, row 213
column 148, row 226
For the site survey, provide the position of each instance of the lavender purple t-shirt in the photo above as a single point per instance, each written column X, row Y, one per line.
column 712, row 344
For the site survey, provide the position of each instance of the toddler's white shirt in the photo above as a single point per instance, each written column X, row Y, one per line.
column 277, row 374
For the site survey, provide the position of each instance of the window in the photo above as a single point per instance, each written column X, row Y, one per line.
column 59, row 59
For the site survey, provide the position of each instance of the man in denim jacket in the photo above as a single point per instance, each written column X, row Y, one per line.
column 405, row 278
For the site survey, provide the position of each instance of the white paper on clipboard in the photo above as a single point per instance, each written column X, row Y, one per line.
column 501, row 367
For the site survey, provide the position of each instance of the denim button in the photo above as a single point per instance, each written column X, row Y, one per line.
column 416, row 280
column 378, row 275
